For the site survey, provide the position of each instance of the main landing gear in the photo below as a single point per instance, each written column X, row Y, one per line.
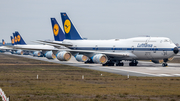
column 111, row 63
column 133, row 63
column 120, row 63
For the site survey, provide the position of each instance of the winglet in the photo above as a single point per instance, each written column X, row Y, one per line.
column 57, row 31
column 19, row 39
column 69, row 29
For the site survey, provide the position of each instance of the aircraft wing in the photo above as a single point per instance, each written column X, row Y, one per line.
column 31, row 48
column 52, row 43
column 108, row 54
column 5, row 47
column 88, row 53
column 39, row 48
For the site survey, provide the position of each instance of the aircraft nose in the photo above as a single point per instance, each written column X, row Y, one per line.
column 175, row 50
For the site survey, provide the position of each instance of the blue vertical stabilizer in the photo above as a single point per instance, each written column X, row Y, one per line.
column 19, row 39
column 3, row 42
column 57, row 31
column 69, row 29
column 12, row 40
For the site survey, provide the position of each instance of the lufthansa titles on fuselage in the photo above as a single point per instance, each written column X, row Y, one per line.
column 144, row 45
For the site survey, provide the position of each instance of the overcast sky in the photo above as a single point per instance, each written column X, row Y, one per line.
column 94, row 19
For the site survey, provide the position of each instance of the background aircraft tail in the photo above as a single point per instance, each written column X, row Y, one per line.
column 19, row 39
column 12, row 40
column 3, row 42
column 69, row 29
column 15, row 39
column 57, row 31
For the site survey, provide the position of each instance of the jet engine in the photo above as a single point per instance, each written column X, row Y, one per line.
column 100, row 58
column 63, row 56
column 81, row 58
column 37, row 53
column 50, row 55
column 19, row 52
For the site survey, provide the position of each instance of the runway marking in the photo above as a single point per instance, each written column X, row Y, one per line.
column 164, row 75
column 131, row 71
column 153, row 68
column 176, row 74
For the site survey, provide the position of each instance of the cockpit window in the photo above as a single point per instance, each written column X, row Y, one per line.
column 170, row 41
column 166, row 40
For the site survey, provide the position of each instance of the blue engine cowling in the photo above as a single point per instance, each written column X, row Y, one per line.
column 63, row 56
column 81, row 58
column 37, row 54
column 99, row 58
column 50, row 55
column 19, row 52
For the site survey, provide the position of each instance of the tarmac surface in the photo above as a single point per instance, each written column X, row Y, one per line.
column 145, row 69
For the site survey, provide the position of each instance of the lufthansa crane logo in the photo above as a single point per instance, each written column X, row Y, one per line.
column 56, row 29
column 12, row 41
column 15, row 39
column 18, row 38
column 67, row 26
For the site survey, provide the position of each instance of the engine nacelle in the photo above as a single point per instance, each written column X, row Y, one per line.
column 19, row 52
column 13, row 52
column 63, row 56
column 37, row 53
column 99, row 58
column 50, row 55
column 81, row 58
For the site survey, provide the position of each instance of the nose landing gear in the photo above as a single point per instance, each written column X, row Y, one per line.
column 165, row 63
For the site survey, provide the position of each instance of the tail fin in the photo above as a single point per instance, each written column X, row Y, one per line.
column 19, row 39
column 15, row 39
column 58, row 33
column 12, row 40
column 69, row 29
column 3, row 42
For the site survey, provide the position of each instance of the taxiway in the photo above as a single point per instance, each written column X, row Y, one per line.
column 145, row 69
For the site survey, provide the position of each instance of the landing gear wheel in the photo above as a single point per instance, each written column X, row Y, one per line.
column 108, row 64
column 89, row 61
column 120, row 64
column 164, row 64
column 133, row 63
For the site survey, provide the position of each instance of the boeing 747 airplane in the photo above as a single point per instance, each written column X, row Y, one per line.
column 110, row 52
column 44, row 50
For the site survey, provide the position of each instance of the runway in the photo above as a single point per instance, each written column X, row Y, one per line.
column 144, row 69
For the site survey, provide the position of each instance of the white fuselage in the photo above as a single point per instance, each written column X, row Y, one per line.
column 146, row 48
